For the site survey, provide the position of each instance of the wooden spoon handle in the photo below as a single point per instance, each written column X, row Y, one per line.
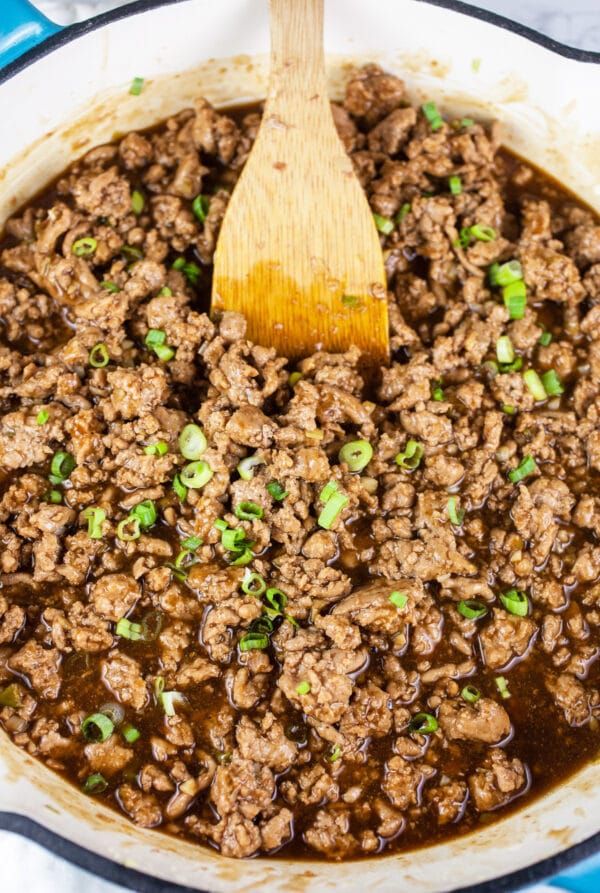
column 297, row 56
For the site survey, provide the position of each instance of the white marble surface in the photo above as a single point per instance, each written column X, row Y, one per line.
column 26, row 866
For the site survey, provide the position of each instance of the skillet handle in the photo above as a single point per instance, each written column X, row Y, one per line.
column 22, row 27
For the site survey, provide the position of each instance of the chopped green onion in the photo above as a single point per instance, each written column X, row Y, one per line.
column 161, row 448
column 128, row 529
column 98, row 356
column 357, row 454
column 192, row 442
column 398, row 599
column 383, row 224
column 515, row 299
column 190, row 270
column 335, row 754
column 455, row 185
column 411, row 455
column 95, row 784
column 505, row 350
column 221, row 525
column 526, row 467
column 470, row 694
column 502, row 686
column 145, row 512
column 152, row 625
column 276, row 599
column 516, row 602
column 467, row 122
column 303, row 688
column 42, row 417
column 334, row 505
column 10, row 696
column 165, row 292
column 110, row 286
column 253, row 641
column 84, row 247
column 196, row 475
column 294, row 377
column 168, row 699
column 155, row 340
column 534, row 385
column 430, row 110
column 404, row 210
column 423, row 723
column 97, row 727
column 545, row 338
column 61, row 467
column 248, row 511
column 505, row 274
column 200, row 207
column 455, row 514
column 232, row 539
column 275, row 489
column 192, row 542
column 95, row 518
column 136, row 86
column 478, row 232
column 245, row 556
column 437, row 393
column 185, row 558
column 159, row 686
column 471, row 609
column 53, row 496
column 246, row 467
column 328, row 490
column 130, row 733
column 179, row 488
column 128, row 630
column 130, row 251
column 508, row 409
column 253, row 584
column 552, row 383
column 137, row 202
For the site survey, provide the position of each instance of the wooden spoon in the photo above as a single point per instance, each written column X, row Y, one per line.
column 298, row 251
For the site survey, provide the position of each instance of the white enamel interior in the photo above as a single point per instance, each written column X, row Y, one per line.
column 77, row 97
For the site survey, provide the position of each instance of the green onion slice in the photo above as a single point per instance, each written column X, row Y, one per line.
column 430, row 110
column 130, row 733
column 253, row 584
column 516, row 602
column 200, row 207
column 398, row 599
column 128, row 630
column 471, row 609
column 276, row 599
column 145, row 512
column 53, row 496
column 515, row 299
column 383, row 224
column 84, row 247
column 411, row 455
column 357, row 454
column 294, row 377
column 239, row 559
column 470, row 694
column 152, row 625
column 168, row 700
column 335, row 754
column 137, row 201
column 97, row 727
column 61, row 467
column 155, row 340
column 437, row 393
column 95, row 518
column 128, row 529
column 552, row 383
column 525, row 467
column 246, row 467
column 423, row 723
column 502, row 686
column 130, row 251
column 534, row 385
column 248, row 511
column 404, row 210
column 303, row 687
column 161, row 448
column 456, row 515
column 334, row 505
column 252, row 641
column 508, row 409
column 192, row 442
column 455, row 185
column 10, row 696
column 179, row 488
column 192, row 542
column 110, row 286
column 505, row 274
column 545, row 338
column 42, row 417
column 95, row 784
column 328, row 490
column 196, row 475
column 136, row 86
column 190, row 270
column 98, row 356
column 505, row 350
column 275, row 489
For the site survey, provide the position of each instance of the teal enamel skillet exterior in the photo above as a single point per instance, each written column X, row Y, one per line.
column 28, row 44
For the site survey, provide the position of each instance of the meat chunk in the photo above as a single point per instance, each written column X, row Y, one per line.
column 144, row 809
column 122, row 676
column 498, row 781
column 507, row 637
column 108, row 757
column 485, row 721
column 571, row 696
column 265, row 743
column 114, row 595
column 41, row 667
column 404, row 780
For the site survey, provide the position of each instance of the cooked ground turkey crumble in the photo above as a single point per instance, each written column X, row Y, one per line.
column 401, row 672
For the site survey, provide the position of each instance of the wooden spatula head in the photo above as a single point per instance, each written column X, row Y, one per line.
column 298, row 251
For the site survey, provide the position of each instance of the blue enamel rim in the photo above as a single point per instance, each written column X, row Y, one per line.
column 137, row 880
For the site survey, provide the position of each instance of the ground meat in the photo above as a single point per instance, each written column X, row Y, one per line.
column 275, row 680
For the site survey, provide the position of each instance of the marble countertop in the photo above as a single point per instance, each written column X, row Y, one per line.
column 27, row 866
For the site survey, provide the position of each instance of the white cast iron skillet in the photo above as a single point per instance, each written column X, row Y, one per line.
column 71, row 92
